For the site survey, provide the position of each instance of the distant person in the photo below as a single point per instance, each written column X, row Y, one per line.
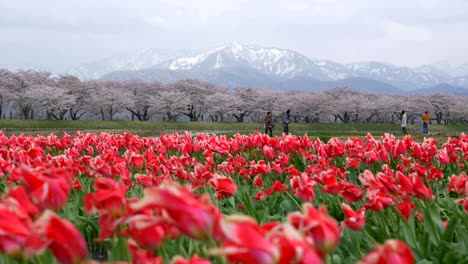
column 269, row 124
column 285, row 121
column 403, row 122
column 426, row 120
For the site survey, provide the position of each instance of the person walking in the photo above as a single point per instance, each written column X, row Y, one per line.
column 285, row 121
column 269, row 124
column 403, row 122
column 426, row 120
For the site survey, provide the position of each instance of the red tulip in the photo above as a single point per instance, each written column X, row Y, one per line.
column 303, row 187
column 377, row 201
column 405, row 209
column 109, row 197
column 224, row 186
column 354, row 219
column 258, row 182
column 351, row 193
column 463, row 202
column 293, row 247
column 459, row 184
column 15, row 227
column 195, row 259
column 20, row 195
column 317, row 225
column 62, row 237
column 140, row 256
column 196, row 217
column 277, row 187
column 268, row 152
column 391, row 252
column 48, row 188
column 136, row 161
column 148, row 230
column 35, row 152
column 245, row 242
column 443, row 157
column 420, row 189
column 143, row 179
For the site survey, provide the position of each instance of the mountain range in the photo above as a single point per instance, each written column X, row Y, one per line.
column 235, row 64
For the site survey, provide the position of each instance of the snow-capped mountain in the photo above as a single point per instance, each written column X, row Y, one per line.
column 461, row 81
column 332, row 70
column 138, row 60
column 452, row 70
column 235, row 64
column 403, row 77
column 281, row 63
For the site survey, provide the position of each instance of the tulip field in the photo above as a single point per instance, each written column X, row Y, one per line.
column 183, row 198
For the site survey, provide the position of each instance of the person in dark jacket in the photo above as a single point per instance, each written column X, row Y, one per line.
column 269, row 124
column 285, row 121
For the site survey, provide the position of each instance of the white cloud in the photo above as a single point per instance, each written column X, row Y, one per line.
column 397, row 31
column 294, row 5
column 156, row 21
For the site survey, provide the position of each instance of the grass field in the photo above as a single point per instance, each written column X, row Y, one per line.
column 153, row 129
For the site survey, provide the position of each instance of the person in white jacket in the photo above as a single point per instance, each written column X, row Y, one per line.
column 403, row 122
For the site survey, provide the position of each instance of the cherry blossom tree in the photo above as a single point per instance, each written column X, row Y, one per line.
column 440, row 104
column 343, row 103
column 415, row 106
column 196, row 91
column 247, row 99
column 53, row 99
column 170, row 102
column 24, row 83
column 109, row 98
column 78, row 92
column 29, row 92
column 221, row 105
column 310, row 106
column 141, row 94
column 458, row 110
column 7, row 85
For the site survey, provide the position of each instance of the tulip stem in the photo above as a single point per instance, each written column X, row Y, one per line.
column 369, row 236
column 293, row 198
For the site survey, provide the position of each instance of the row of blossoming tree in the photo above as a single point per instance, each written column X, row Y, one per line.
column 245, row 199
column 35, row 94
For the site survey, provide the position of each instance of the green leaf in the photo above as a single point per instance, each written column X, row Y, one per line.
column 450, row 230
column 433, row 223
column 288, row 205
column 408, row 233
column 298, row 162
column 451, row 257
column 424, row 261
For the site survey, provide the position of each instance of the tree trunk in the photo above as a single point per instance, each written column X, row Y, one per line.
column 102, row 114
column 240, row 117
column 26, row 112
column 74, row 114
column 439, row 117
column 369, row 119
column 2, row 115
column 345, row 119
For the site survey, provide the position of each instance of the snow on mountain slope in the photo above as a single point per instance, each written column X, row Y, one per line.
column 461, row 81
column 452, row 70
column 402, row 77
column 253, row 65
column 278, row 62
column 138, row 60
column 333, row 70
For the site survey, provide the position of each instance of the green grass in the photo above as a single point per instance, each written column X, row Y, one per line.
column 148, row 128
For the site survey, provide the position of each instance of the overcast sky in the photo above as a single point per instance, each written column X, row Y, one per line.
column 58, row 34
